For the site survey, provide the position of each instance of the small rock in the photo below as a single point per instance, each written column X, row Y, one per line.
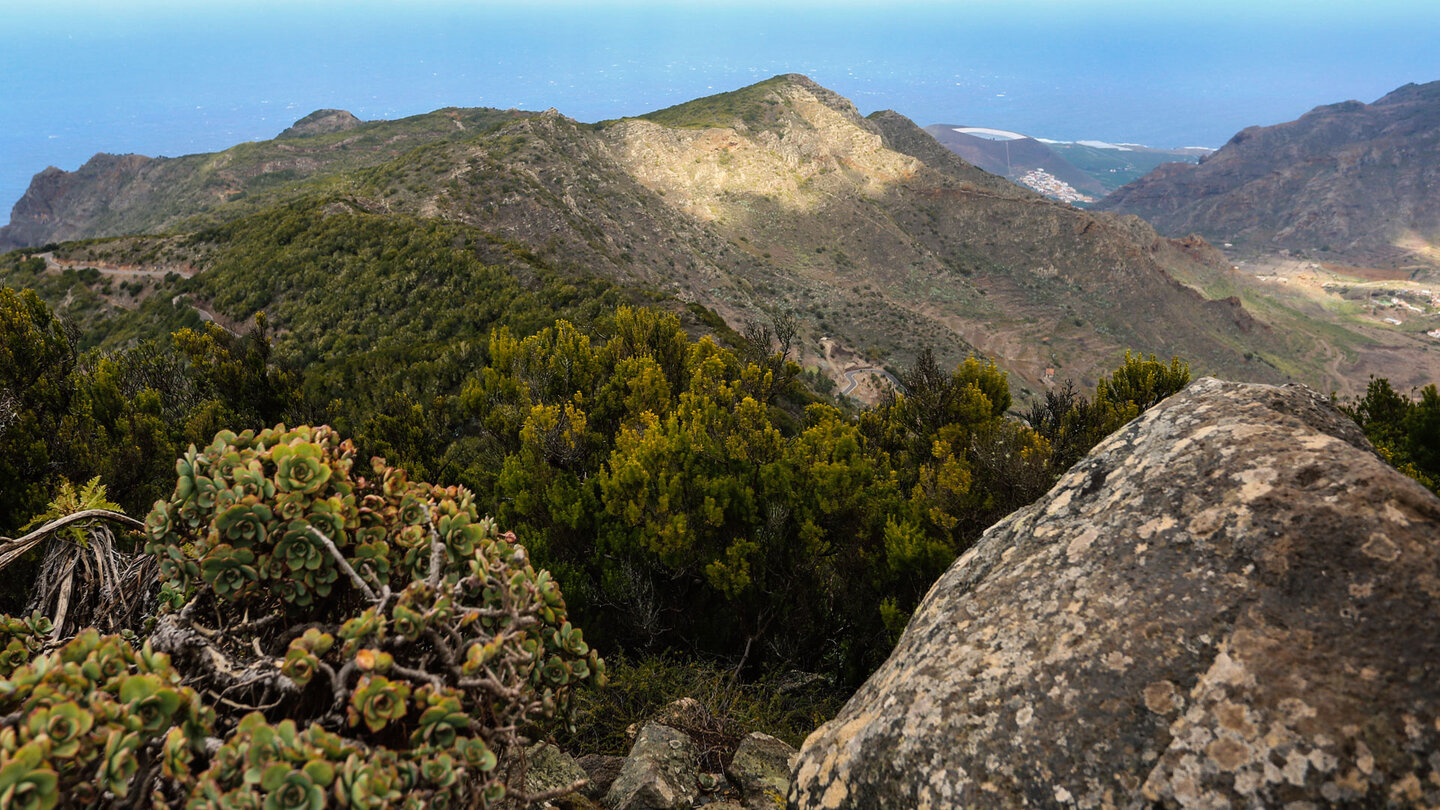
column 661, row 773
column 685, row 713
column 548, row 768
column 761, row 771
column 601, row 770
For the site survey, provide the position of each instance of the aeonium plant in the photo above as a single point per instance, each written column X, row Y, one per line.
column 376, row 640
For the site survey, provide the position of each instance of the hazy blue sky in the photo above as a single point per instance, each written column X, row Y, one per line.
column 173, row 78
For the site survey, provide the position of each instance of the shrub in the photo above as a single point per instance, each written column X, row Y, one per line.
column 98, row 717
column 365, row 640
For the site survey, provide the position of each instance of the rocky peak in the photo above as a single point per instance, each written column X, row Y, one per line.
column 321, row 122
column 820, row 93
column 1228, row 603
column 56, row 199
column 785, row 139
column 1412, row 93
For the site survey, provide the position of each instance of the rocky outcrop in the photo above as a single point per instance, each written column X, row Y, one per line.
column 547, row 768
column 1351, row 181
column 57, row 200
column 321, row 122
column 661, row 773
column 1229, row 603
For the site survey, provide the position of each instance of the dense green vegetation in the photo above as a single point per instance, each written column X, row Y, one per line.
column 1404, row 429
column 689, row 494
column 751, row 104
column 714, row 522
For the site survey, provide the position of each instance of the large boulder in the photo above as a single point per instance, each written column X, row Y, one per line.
column 1231, row 602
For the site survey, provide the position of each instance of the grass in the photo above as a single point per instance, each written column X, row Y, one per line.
column 749, row 104
column 784, row 705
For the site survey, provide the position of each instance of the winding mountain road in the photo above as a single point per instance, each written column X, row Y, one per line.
column 855, row 382
column 54, row 265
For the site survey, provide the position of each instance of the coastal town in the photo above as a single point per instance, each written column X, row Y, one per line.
column 1052, row 186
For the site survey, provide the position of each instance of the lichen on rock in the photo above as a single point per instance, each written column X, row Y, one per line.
column 1228, row 603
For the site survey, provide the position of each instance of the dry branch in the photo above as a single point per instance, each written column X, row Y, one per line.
column 12, row 550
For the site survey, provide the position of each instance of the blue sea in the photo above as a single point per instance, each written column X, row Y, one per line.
column 168, row 78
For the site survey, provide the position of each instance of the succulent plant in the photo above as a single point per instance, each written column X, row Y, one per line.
column 26, row 780
column 290, row 788
column 21, row 639
column 229, row 570
column 64, row 725
column 90, row 708
column 378, row 700
column 405, row 637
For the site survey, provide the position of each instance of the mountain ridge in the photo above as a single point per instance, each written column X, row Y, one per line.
column 868, row 230
column 1352, row 180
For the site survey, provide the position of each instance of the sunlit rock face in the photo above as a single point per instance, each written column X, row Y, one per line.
column 1230, row 603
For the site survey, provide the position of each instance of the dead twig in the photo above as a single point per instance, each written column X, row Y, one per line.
column 360, row 584
column 12, row 550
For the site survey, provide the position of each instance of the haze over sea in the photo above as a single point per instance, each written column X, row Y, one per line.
column 172, row 78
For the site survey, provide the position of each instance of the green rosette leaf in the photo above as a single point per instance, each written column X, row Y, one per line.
column 377, row 701
column 289, row 789
column 159, row 523
column 300, row 666
column 298, row 548
column 27, row 782
column 476, row 754
column 439, row 770
column 119, row 763
column 244, row 524
column 64, row 724
column 150, row 700
column 300, row 467
column 441, row 723
column 229, row 570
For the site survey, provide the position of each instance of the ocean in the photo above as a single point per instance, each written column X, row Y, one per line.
column 171, row 78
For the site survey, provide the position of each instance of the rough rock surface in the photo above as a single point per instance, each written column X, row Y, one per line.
column 760, row 770
column 1231, row 602
column 661, row 773
column 549, row 768
column 601, row 770
column 321, row 122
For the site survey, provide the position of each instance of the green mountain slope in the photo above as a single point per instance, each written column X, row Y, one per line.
column 127, row 194
column 778, row 196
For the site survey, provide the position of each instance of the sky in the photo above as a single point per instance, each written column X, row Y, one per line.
column 160, row 77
